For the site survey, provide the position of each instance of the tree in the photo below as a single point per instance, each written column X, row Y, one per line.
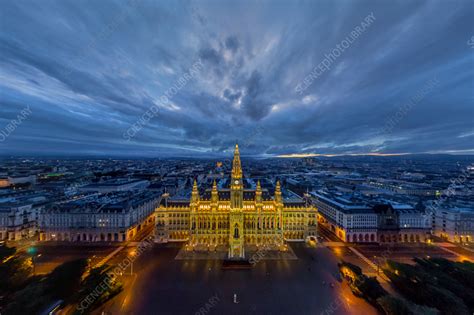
column 393, row 306
column 445, row 280
column 422, row 288
column 6, row 252
column 65, row 279
column 99, row 286
column 14, row 274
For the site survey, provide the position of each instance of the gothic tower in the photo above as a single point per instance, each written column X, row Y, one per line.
column 236, row 185
column 236, row 235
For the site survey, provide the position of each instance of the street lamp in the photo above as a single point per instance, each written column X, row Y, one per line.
column 377, row 263
column 32, row 251
column 132, row 254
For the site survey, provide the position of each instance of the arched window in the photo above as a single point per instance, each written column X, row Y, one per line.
column 236, row 231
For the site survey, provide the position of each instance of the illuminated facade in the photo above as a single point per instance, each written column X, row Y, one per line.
column 235, row 218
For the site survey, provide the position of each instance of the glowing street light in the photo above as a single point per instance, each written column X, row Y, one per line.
column 132, row 254
column 32, row 251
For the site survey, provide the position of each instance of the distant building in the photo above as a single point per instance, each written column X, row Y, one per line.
column 116, row 185
column 404, row 188
column 4, row 182
column 112, row 217
column 17, row 180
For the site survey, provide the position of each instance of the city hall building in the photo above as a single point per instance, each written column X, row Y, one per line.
column 235, row 218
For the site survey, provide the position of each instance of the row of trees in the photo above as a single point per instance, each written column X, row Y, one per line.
column 439, row 283
column 430, row 286
column 71, row 282
column 370, row 289
column 15, row 271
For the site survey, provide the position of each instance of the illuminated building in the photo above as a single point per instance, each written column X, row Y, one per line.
column 235, row 218
column 17, row 220
column 112, row 217
column 357, row 221
column 454, row 224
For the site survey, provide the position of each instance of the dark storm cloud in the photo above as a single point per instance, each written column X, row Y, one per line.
column 89, row 71
column 231, row 96
column 254, row 104
column 232, row 43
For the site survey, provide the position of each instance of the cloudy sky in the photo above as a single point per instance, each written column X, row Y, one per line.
column 86, row 71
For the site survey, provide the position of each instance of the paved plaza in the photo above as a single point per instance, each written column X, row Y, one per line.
column 165, row 285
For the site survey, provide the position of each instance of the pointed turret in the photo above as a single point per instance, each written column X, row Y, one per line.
column 278, row 192
column 214, row 193
column 195, row 192
column 236, row 165
column 258, row 193
column 236, row 185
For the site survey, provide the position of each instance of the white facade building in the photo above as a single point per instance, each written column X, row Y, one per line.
column 356, row 221
column 17, row 221
column 349, row 222
column 119, row 217
column 454, row 224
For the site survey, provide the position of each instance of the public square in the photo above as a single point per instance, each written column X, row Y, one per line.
column 309, row 285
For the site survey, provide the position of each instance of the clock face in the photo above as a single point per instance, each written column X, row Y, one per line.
column 236, row 182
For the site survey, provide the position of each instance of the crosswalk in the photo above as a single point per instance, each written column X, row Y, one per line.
column 365, row 259
column 372, row 265
column 454, row 253
column 109, row 256
column 335, row 244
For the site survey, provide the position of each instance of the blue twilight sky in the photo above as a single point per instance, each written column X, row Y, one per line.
column 88, row 70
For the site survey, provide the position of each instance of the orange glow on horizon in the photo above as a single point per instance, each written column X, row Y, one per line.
column 305, row 155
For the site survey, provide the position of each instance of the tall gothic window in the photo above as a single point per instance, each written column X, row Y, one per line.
column 236, row 231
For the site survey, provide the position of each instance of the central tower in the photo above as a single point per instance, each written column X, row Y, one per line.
column 236, row 185
column 236, row 237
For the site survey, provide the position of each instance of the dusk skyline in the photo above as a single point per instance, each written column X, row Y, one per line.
column 80, row 75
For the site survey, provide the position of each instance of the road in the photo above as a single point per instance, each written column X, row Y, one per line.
column 327, row 234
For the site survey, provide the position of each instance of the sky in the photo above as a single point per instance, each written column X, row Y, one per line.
column 192, row 78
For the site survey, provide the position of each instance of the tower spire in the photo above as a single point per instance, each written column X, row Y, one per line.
column 195, row 192
column 236, row 165
column 258, row 193
column 214, row 193
column 278, row 192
